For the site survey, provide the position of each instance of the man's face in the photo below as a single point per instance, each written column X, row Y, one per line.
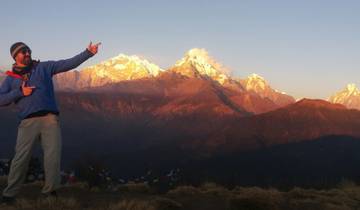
column 23, row 57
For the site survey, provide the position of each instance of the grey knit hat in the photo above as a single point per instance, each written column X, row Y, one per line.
column 15, row 48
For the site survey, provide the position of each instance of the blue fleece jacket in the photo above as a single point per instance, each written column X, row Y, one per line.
column 42, row 97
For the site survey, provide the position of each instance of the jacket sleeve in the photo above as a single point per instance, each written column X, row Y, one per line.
column 8, row 96
column 68, row 64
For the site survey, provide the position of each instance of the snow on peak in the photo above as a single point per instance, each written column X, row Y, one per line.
column 349, row 96
column 255, row 82
column 204, row 64
column 124, row 67
column 133, row 62
column 111, row 71
column 349, row 90
column 256, row 76
column 352, row 89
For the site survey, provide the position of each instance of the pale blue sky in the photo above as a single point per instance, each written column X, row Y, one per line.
column 305, row 48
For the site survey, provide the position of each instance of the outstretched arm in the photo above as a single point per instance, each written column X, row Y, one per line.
column 71, row 63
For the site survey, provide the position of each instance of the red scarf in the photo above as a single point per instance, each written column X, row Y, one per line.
column 12, row 74
column 22, row 73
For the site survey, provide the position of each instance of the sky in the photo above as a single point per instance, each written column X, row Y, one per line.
column 307, row 48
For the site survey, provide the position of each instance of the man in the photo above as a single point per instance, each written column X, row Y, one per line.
column 29, row 85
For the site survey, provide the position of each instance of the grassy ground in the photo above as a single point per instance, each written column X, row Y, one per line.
column 208, row 197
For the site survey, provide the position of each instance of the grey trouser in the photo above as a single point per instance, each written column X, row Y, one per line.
column 47, row 130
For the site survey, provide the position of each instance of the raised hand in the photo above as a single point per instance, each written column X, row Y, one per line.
column 93, row 48
column 26, row 90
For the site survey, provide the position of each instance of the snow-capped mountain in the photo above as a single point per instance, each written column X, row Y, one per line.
column 260, row 86
column 350, row 97
column 198, row 63
column 117, row 69
column 196, row 68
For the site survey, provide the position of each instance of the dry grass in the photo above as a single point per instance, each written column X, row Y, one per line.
column 214, row 189
column 134, row 204
column 137, row 188
column 209, row 196
column 185, row 191
column 255, row 198
column 158, row 203
column 44, row 204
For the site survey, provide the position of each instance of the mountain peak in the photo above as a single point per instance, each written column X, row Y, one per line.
column 200, row 53
column 256, row 76
column 352, row 89
column 255, row 82
column 349, row 96
column 124, row 62
column 200, row 61
column 116, row 69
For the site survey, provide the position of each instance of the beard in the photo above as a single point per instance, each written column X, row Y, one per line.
column 27, row 60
